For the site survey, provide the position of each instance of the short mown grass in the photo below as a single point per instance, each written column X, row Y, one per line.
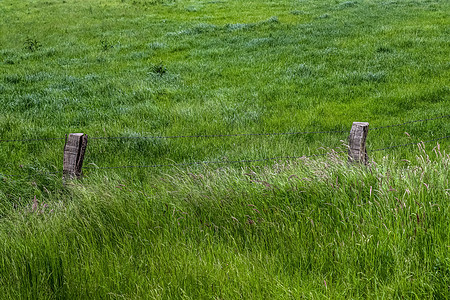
column 145, row 68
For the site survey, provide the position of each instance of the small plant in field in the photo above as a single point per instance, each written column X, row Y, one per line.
column 159, row 69
column 105, row 45
column 383, row 49
column 32, row 44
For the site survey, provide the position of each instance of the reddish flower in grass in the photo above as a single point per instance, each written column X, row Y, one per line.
column 35, row 204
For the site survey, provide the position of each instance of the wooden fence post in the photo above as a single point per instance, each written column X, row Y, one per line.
column 357, row 151
column 73, row 155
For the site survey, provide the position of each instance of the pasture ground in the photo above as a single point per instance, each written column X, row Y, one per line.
column 304, row 228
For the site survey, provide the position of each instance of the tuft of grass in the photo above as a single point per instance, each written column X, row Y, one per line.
column 310, row 227
column 32, row 44
column 105, row 45
column 159, row 69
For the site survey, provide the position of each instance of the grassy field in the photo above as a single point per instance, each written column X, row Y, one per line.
column 314, row 229
column 297, row 229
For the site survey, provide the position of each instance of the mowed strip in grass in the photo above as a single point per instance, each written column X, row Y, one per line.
column 143, row 68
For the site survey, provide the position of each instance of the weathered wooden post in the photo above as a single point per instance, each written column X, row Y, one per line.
column 73, row 155
column 357, row 152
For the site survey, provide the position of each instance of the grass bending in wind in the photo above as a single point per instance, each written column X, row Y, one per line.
column 310, row 228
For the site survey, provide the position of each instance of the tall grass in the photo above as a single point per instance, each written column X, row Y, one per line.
column 307, row 228
column 300, row 229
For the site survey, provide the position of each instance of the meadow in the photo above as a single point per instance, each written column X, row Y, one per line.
column 312, row 227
